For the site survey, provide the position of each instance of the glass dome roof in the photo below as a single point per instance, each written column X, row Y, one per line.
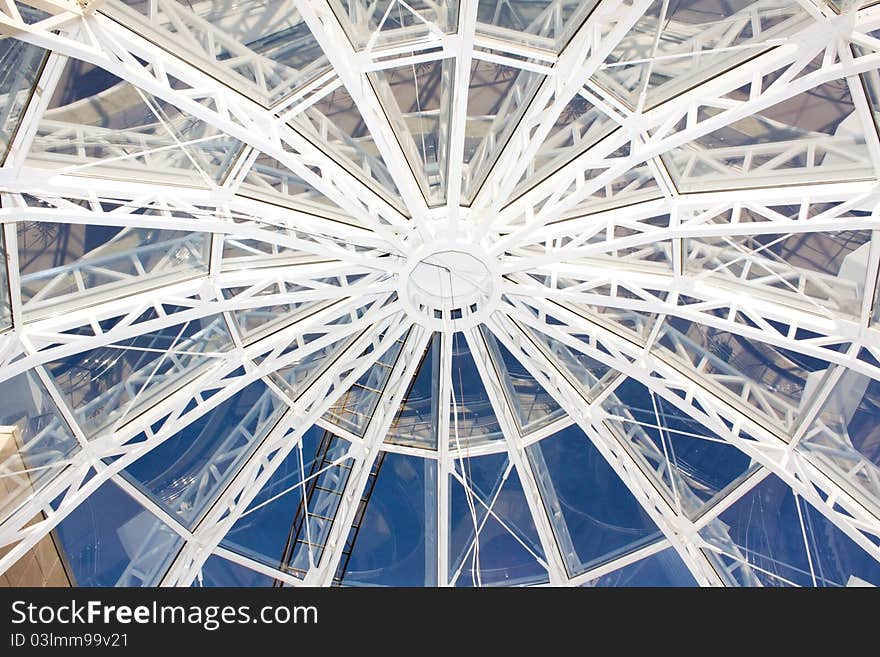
column 426, row 292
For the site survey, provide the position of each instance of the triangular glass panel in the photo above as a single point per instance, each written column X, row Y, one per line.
column 492, row 506
column 111, row 540
column 692, row 464
column 393, row 541
column 354, row 409
column 417, row 104
column 496, row 93
column 286, row 524
column 472, row 419
column 186, row 472
column 533, row 406
column 772, row 537
column 594, row 516
column 417, row 420
column 98, row 122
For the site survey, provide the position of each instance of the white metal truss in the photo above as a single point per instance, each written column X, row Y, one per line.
column 608, row 193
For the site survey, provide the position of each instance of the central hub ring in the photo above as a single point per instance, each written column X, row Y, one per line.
column 450, row 285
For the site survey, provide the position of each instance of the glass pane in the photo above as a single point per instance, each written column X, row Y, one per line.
column 496, row 94
column 816, row 136
column 335, row 125
column 533, row 406
column 487, row 502
column 546, row 24
column 110, row 540
column 816, row 269
column 270, row 180
column 354, row 409
column 287, row 523
column 20, row 64
column 71, row 265
column 780, row 540
column 692, row 464
column 776, row 382
column 100, row 124
column 698, row 39
column 187, row 471
column 417, row 420
column 594, row 516
column 394, row 541
column 5, row 302
column 471, row 418
column 39, row 447
column 417, row 103
column 264, row 48
column 383, row 22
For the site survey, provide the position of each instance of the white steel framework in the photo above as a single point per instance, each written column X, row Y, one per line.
column 601, row 278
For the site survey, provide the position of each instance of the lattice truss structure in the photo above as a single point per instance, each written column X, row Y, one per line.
column 428, row 292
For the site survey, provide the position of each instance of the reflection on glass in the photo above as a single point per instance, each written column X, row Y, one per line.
column 492, row 536
column 111, row 385
column 384, row 22
column 38, row 449
column 697, row 40
column 263, row 47
column 824, row 268
column 286, row 524
column 776, row 382
column 546, row 24
column 691, row 464
column 496, row 94
column 416, row 421
column 85, row 264
column 814, row 136
column 335, row 123
column 394, row 540
column 471, row 419
column 417, row 103
column 110, row 540
column 780, row 540
column 354, row 409
column 268, row 178
column 97, row 122
column 533, row 406
column 664, row 568
column 20, row 64
column 594, row 516
column 186, row 472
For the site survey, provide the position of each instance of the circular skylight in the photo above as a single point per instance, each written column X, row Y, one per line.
column 429, row 293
